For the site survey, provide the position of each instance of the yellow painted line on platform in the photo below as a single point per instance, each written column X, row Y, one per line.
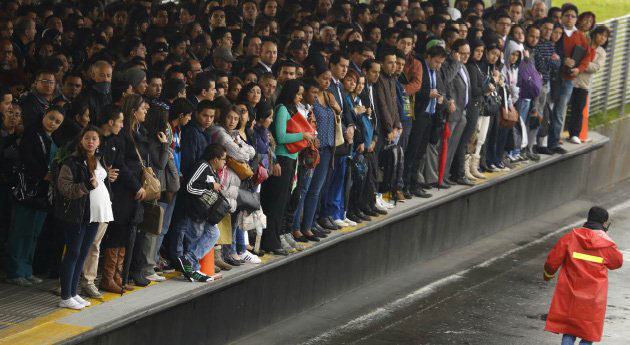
column 42, row 330
column 46, row 330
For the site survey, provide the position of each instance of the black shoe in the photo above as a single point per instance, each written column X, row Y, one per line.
column 318, row 234
column 230, row 261
column 559, row 150
column 327, row 224
column 369, row 212
column 464, row 181
column 363, row 216
column 442, row 186
column 353, row 217
column 382, row 212
column 280, row 251
column 534, row 157
column 449, row 182
column 312, row 238
column 406, row 193
column 184, row 266
column 425, row 186
column 300, row 239
column 138, row 279
column 420, row 193
column 320, row 229
column 543, row 151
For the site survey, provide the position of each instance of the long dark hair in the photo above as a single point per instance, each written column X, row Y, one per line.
column 131, row 104
column 91, row 160
column 290, row 89
column 157, row 121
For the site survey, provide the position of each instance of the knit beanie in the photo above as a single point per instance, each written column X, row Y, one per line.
column 135, row 76
column 597, row 214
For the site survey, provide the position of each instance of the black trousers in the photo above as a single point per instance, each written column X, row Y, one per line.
column 578, row 102
column 417, row 147
column 274, row 197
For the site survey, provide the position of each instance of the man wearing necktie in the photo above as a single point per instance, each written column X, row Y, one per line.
column 429, row 107
column 332, row 199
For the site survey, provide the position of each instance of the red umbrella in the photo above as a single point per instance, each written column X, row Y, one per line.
column 446, row 133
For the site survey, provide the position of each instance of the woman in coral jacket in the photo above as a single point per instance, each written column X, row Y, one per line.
column 579, row 302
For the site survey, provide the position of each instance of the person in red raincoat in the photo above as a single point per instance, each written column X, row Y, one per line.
column 579, row 302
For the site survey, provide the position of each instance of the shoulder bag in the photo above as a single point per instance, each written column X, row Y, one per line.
column 508, row 116
column 339, row 140
column 242, row 169
column 298, row 124
column 150, row 182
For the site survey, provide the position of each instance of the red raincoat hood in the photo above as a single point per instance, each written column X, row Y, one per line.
column 593, row 239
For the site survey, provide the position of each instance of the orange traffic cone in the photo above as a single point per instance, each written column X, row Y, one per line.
column 207, row 263
column 584, row 132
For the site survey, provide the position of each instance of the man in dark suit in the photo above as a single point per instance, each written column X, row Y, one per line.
column 430, row 104
column 385, row 100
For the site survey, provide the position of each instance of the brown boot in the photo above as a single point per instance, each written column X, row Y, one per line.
column 119, row 269
column 218, row 259
column 109, row 269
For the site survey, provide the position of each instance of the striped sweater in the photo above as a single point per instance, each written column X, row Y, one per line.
column 542, row 59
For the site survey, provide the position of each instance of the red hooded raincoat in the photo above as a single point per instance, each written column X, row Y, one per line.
column 579, row 302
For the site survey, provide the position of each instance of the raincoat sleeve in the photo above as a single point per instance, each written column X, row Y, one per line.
column 555, row 258
column 613, row 259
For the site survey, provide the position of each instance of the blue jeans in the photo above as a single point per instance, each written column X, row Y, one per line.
column 305, row 182
column 238, row 245
column 166, row 222
column 79, row 238
column 570, row 340
column 522, row 106
column 317, row 181
column 199, row 239
column 333, row 205
column 559, row 112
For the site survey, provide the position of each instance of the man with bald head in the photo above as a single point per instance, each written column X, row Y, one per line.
column 539, row 10
column 98, row 93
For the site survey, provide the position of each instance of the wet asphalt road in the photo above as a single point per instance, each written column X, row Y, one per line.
column 503, row 302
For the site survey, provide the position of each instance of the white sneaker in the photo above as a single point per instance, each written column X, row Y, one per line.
column 350, row 222
column 575, row 140
column 379, row 206
column 251, row 258
column 70, row 303
column 81, row 300
column 341, row 223
column 386, row 205
column 34, row 280
column 155, row 278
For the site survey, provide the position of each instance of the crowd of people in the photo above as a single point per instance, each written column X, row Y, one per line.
column 120, row 118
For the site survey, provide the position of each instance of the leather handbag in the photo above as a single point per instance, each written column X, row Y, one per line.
column 261, row 174
column 508, row 116
column 298, row 124
column 310, row 156
column 242, row 169
column 150, row 182
column 247, row 199
column 153, row 218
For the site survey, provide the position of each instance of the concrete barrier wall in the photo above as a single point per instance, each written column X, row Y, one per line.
column 611, row 164
column 281, row 290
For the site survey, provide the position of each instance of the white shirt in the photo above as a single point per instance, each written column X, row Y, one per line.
column 569, row 32
column 100, row 203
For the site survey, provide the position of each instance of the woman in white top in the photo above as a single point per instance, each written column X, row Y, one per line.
column 82, row 203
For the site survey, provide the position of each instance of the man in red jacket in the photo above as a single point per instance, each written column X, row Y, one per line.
column 573, row 45
column 579, row 302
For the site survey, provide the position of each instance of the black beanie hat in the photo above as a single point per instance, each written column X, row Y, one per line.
column 597, row 214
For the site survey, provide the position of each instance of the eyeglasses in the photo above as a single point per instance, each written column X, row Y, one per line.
column 569, row 15
column 46, row 81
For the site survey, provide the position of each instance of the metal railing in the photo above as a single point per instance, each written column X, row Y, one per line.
column 609, row 87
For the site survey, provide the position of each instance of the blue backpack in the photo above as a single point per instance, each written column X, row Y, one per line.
column 529, row 80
